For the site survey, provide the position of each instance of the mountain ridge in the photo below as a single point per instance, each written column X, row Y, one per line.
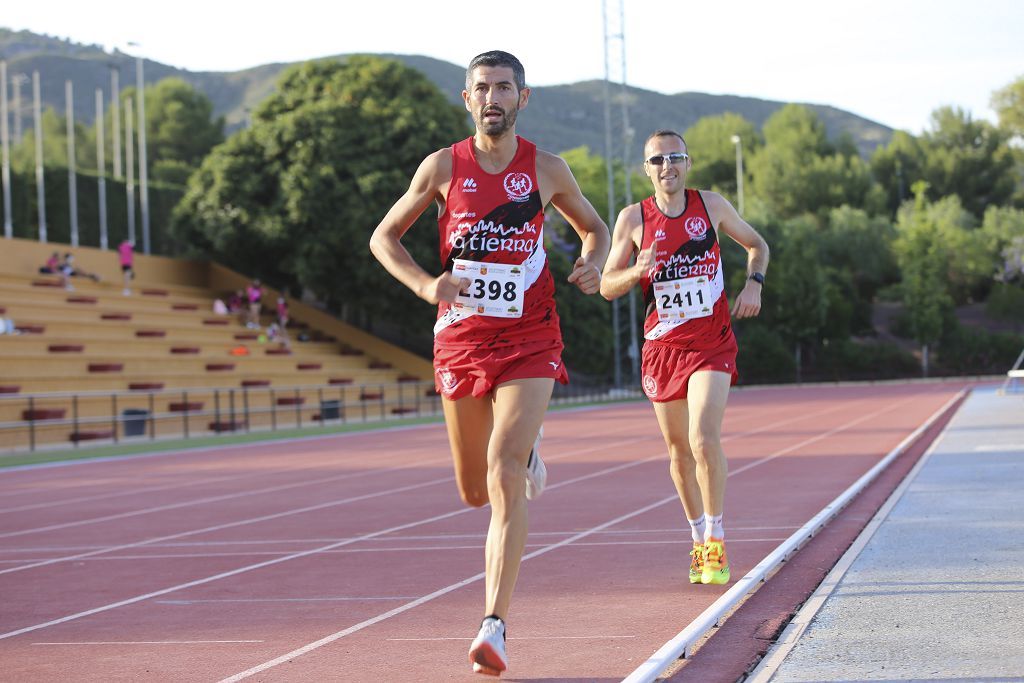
column 560, row 117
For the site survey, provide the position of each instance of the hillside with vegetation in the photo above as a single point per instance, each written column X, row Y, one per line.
column 561, row 116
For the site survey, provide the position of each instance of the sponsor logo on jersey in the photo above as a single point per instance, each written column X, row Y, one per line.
column 518, row 186
column 650, row 386
column 469, row 185
column 659, row 234
column 696, row 228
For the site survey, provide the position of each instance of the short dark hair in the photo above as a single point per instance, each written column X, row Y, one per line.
column 663, row 133
column 497, row 58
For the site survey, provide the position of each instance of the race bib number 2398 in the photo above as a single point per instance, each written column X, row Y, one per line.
column 495, row 289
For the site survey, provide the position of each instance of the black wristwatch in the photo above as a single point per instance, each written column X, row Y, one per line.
column 757, row 277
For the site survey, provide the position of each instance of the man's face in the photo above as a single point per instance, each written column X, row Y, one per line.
column 669, row 175
column 494, row 100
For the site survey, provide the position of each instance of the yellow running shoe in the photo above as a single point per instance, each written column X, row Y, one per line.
column 696, row 562
column 716, row 564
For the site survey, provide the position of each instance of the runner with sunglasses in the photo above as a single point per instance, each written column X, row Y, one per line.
column 689, row 354
column 497, row 343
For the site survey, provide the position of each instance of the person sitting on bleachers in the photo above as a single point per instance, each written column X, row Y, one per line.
column 69, row 269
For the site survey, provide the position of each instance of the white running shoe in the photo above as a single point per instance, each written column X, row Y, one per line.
column 536, row 471
column 487, row 653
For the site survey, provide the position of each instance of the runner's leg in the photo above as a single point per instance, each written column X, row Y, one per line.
column 519, row 407
column 469, row 421
column 673, row 418
column 707, row 394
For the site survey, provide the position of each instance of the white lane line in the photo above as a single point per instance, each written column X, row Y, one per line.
column 448, row 589
column 247, row 600
column 216, row 499
column 402, row 549
column 286, row 558
column 436, row 594
column 680, row 644
column 229, row 525
column 240, row 570
column 389, row 539
column 1000, row 447
column 332, row 460
column 591, row 637
column 155, row 642
column 286, row 513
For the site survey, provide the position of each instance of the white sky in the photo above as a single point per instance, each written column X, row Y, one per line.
column 893, row 61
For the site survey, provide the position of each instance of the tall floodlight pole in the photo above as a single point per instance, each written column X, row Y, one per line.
column 17, row 80
column 633, row 349
column 609, row 153
column 69, row 108
column 5, row 173
column 140, row 85
column 129, row 167
column 101, row 170
column 739, row 171
column 115, row 117
column 37, row 116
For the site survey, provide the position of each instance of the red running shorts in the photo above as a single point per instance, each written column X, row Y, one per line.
column 667, row 369
column 461, row 372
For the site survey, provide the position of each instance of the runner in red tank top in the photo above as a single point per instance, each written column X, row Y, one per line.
column 689, row 354
column 497, row 345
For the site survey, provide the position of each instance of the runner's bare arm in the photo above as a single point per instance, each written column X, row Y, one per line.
column 728, row 221
column 619, row 276
column 431, row 178
column 565, row 195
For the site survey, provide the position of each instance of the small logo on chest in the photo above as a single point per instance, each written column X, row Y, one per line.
column 518, row 186
column 469, row 185
column 696, row 228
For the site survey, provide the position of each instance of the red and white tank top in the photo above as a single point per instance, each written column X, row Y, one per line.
column 684, row 290
column 492, row 232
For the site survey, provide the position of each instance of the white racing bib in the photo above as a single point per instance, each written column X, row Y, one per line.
column 683, row 299
column 495, row 289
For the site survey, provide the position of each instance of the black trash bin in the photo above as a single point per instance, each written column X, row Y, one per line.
column 134, row 421
column 330, row 410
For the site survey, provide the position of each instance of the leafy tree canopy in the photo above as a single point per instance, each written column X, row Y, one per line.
column 295, row 198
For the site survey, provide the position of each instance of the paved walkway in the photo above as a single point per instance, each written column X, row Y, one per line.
column 934, row 587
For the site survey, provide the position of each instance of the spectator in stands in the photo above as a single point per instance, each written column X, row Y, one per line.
column 52, row 265
column 282, row 311
column 277, row 333
column 69, row 269
column 254, row 294
column 127, row 258
column 7, row 327
column 235, row 301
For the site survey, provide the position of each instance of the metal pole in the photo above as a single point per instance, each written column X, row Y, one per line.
column 115, row 114
column 101, row 169
column 617, row 360
column 143, row 171
column 40, row 191
column 627, row 142
column 17, row 80
column 69, row 108
column 739, row 172
column 129, row 158
column 5, row 173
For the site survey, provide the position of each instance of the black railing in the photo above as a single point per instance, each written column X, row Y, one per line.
column 69, row 419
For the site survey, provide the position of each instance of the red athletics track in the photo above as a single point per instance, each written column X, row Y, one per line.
column 350, row 558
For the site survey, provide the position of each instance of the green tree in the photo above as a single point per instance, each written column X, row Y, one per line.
column 295, row 198
column 967, row 158
column 923, row 258
column 1008, row 103
column 798, row 171
column 897, row 166
column 799, row 290
column 710, row 144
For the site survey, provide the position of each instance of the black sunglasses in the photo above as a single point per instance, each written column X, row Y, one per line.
column 672, row 158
